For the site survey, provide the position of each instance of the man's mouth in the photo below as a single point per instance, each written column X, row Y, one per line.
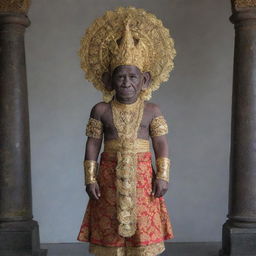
column 126, row 90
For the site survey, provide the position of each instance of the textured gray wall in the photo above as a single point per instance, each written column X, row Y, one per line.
column 196, row 101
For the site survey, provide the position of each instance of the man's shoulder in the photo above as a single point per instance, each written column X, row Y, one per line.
column 151, row 105
column 99, row 109
column 153, row 108
column 100, row 106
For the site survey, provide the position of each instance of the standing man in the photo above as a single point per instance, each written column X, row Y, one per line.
column 126, row 54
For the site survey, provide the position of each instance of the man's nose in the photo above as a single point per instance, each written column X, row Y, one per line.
column 126, row 82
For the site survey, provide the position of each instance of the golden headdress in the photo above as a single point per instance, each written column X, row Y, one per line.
column 127, row 36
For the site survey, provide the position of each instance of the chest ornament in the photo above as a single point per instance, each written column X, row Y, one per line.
column 127, row 119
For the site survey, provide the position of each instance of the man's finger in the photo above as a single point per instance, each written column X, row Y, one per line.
column 97, row 190
column 154, row 188
column 95, row 196
column 157, row 194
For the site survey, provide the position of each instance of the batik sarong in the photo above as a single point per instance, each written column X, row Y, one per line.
column 100, row 224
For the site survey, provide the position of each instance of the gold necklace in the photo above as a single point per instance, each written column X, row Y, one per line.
column 127, row 118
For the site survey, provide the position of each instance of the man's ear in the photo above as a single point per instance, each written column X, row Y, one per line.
column 146, row 80
column 106, row 79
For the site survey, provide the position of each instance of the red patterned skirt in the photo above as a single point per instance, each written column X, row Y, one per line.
column 100, row 224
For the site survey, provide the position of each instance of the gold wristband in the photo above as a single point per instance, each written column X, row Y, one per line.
column 90, row 171
column 163, row 168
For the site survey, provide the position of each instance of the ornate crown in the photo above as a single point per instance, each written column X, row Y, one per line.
column 127, row 36
column 127, row 50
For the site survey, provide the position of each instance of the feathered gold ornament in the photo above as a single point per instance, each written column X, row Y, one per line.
column 14, row 6
column 127, row 36
column 244, row 3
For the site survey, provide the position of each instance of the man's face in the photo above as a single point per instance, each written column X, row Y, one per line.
column 127, row 82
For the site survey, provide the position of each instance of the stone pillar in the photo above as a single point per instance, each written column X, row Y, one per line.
column 239, row 231
column 19, row 233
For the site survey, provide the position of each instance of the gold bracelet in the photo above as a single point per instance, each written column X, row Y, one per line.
column 90, row 171
column 163, row 168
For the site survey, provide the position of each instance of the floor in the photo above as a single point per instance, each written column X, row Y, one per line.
column 172, row 249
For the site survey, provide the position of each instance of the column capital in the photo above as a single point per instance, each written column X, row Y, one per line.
column 14, row 18
column 244, row 12
column 14, row 6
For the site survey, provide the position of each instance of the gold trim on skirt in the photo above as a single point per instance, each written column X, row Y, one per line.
column 146, row 250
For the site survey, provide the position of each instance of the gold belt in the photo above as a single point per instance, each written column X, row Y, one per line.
column 113, row 146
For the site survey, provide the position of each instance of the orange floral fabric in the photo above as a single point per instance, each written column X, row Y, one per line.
column 100, row 224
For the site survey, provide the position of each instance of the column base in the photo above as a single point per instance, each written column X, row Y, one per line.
column 238, row 241
column 20, row 238
column 18, row 253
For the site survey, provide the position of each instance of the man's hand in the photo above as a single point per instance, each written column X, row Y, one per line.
column 160, row 187
column 93, row 191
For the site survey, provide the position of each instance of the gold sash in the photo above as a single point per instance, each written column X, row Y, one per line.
column 127, row 119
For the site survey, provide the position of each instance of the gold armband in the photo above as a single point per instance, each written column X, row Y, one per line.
column 158, row 126
column 94, row 128
column 90, row 171
column 163, row 168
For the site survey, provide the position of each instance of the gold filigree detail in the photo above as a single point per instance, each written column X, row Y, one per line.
column 126, row 118
column 90, row 171
column 147, row 250
column 94, row 128
column 158, row 126
column 109, row 36
column 16, row 6
column 113, row 146
column 244, row 3
column 163, row 168
column 127, row 52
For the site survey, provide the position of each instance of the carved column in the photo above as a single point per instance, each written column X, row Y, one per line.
column 239, row 232
column 19, row 234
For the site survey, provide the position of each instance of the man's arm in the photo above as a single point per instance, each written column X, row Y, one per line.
column 94, row 132
column 91, row 153
column 92, row 148
column 158, row 133
column 160, row 146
